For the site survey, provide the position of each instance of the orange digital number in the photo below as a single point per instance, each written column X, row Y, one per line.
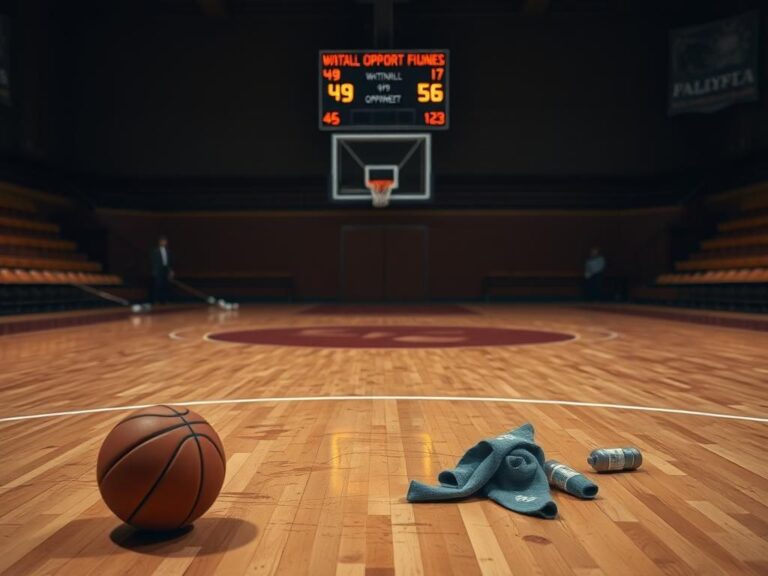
column 342, row 92
column 331, row 118
column 332, row 74
column 426, row 92
column 434, row 118
column 437, row 73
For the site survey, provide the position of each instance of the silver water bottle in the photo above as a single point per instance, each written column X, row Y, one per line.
column 615, row 459
column 569, row 480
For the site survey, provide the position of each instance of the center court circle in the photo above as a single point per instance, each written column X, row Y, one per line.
column 390, row 337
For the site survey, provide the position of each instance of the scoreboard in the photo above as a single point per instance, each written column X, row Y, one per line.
column 384, row 90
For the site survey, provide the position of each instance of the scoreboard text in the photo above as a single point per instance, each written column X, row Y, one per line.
column 384, row 89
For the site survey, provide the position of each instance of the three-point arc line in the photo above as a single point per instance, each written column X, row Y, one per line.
column 501, row 400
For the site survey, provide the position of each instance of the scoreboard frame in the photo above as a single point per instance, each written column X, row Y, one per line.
column 373, row 127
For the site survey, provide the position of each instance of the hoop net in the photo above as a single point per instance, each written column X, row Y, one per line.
column 380, row 191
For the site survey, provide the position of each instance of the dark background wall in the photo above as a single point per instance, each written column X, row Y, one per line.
column 164, row 90
column 140, row 89
column 463, row 248
column 179, row 94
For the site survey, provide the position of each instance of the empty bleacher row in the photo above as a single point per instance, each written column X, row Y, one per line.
column 40, row 270
column 22, row 276
column 730, row 269
column 730, row 276
column 14, row 205
column 21, row 241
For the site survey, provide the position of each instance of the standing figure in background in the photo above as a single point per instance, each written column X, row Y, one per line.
column 161, row 271
column 594, row 269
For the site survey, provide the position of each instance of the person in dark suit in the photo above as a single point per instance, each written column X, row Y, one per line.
column 161, row 271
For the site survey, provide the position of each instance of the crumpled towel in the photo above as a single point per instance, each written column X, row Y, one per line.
column 508, row 469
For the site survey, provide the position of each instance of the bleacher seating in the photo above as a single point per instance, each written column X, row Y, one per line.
column 16, row 223
column 36, row 242
column 731, row 268
column 16, row 204
column 735, row 241
column 744, row 223
column 740, row 276
column 22, row 276
column 724, row 263
column 68, row 264
column 39, row 270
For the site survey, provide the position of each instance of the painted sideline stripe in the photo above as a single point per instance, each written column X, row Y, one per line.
column 407, row 398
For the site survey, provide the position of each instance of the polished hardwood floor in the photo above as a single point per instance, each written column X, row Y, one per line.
column 317, row 485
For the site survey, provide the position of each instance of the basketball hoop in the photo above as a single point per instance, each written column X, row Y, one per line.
column 380, row 191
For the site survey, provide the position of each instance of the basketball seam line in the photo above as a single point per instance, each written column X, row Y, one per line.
column 168, row 464
column 143, row 441
column 202, row 469
column 175, row 412
column 215, row 447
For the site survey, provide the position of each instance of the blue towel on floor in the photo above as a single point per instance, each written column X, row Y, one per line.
column 508, row 469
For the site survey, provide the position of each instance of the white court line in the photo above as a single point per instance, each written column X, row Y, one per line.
column 174, row 335
column 611, row 335
column 407, row 398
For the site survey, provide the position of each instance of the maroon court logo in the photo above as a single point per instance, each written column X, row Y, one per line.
column 390, row 336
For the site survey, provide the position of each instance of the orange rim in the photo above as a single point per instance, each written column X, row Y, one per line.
column 380, row 185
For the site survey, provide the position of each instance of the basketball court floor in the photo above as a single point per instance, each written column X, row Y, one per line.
column 327, row 413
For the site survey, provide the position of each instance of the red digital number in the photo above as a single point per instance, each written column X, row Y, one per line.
column 331, row 118
column 434, row 118
column 332, row 74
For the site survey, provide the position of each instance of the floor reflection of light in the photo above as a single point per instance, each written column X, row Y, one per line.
column 328, row 332
column 338, row 466
column 374, row 335
column 430, row 339
column 137, row 321
column 345, row 444
column 427, row 453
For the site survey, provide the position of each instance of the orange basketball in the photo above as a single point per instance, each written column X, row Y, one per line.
column 161, row 468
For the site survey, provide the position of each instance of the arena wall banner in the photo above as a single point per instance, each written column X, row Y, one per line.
column 714, row 65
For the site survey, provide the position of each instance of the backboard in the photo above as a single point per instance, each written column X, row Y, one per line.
column 404, row 158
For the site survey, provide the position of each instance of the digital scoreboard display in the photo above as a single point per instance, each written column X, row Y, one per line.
column 384, row 90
